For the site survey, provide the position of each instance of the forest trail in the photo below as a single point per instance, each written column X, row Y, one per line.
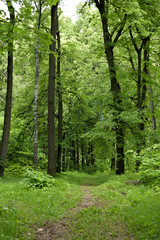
column 68, row 227
column 60, row 230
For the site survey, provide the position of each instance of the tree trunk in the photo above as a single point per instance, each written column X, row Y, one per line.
column 51, row 96
column 115, row 87
column 82, row 152
column 77, row 149
column 147, row 74
column 73, row 156
column 139, row 107
column 92, row 156
column 60, row 110
column 152, row 108
column 8, row 106
column 141, row 89
column 63, row 157
column 113, row 160
column 88, row 156
column 35, row 156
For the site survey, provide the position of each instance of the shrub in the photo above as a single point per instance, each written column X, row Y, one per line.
column 37, row 179
column 150, row 167
column 16, row 169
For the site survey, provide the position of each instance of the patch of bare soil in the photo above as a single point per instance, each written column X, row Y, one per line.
column 87, row 200
column 50, row 231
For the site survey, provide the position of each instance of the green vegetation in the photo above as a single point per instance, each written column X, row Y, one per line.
column 135, row 205
column 118, row 209
column 79, row 120
column 23, row 209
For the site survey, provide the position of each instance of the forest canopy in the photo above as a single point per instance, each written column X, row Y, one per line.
column 80, row 95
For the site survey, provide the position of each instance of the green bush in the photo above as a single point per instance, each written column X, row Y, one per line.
column 37, row 179
column 16, row 169
column 150, row 167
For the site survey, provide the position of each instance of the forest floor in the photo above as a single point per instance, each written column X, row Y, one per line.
column 69, row 228
column 79, row 207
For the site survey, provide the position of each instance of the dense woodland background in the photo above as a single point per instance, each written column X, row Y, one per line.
column 90, row 101
column 79, row 101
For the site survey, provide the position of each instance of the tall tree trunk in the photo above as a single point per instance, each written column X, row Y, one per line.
column 63, row 156
column 77, row 153
column 152, row 108
column 92, row 156
column 73, row 156
column 35, row 155
column 88, row 156
column 82, row 152
column 63, row 160
column 60, row 110
column 8, row 106
column 51, row 96
column 147, row 75
column 141, row 89
column 113, row 160
column 102, row 6
column 139, row 107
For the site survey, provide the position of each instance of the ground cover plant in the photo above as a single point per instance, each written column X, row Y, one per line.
column 79, row 206
column 137, row 205
column 79, row 104
column 23, row 208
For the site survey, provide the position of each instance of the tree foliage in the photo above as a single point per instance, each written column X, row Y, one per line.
column 107, row 112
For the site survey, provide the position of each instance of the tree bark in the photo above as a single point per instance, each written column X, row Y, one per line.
column 35, row 155
column 60, row 109
column 8, row 106
column 51, row 95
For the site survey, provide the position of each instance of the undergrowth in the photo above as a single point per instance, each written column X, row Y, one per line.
column 23, row 208
column 125, row 209
column 135, row 205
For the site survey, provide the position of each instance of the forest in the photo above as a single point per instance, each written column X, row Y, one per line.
column 79, row 120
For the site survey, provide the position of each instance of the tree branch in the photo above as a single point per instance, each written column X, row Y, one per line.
column 131, row 60
column 133, row 40
column 2, row 100
column 119, row 33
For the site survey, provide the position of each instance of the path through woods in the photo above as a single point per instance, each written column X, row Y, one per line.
column 88, row 220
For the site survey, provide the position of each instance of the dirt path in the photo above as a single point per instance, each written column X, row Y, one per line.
column 60, row 230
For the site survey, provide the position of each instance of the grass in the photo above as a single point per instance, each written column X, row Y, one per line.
column 86, row 179
column 97, row 223
column 124, row 210
column 21, row 209
column 137, row 206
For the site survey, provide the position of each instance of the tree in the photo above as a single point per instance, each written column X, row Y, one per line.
column 8, row 106
column 51, row 95
column 60, row 109
column 35, row 156
column 109, row 44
